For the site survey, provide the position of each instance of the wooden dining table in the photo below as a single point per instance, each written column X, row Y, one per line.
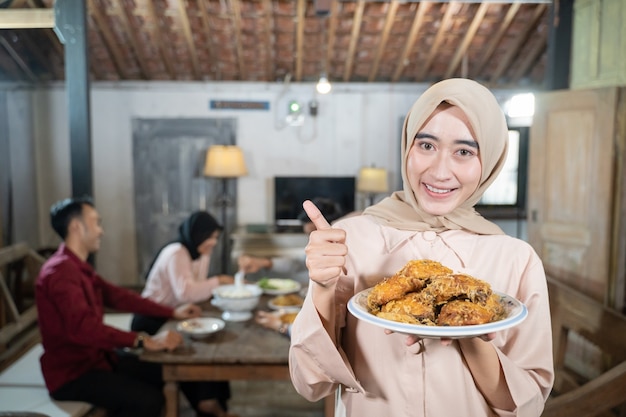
column 241, row 351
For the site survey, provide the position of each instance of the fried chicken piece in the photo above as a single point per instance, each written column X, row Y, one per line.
column 413, row 305
column 463, row 313
column 494, row 303
column 412, row 277
column 399, row 317
column 444, row 288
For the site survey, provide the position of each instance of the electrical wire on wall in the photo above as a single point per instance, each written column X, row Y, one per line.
column 279, row 119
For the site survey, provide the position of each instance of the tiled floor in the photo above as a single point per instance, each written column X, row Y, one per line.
column 266, row 399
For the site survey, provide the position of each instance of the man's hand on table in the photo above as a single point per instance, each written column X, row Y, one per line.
column 187, row 311
column 165, row 340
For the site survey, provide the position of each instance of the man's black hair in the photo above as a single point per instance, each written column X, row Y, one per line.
column 62, row 212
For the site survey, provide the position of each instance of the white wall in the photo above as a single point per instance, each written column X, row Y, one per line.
column 357, row 125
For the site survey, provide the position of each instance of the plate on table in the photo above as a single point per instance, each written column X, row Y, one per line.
column 279, row 286
column 201, row 326
column 286, row 302
column 515, row 313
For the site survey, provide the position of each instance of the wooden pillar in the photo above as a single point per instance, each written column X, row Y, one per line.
column 71, row 28
column 559, row 45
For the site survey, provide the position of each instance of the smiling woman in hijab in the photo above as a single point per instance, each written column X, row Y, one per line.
column 454, row 143
column 179, row 275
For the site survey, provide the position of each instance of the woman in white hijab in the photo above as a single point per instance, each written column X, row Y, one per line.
column 454, row 143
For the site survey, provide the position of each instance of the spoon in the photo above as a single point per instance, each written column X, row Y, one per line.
column 239, row 279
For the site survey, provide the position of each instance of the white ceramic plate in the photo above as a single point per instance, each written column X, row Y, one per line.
column 201, row 326
column 279, row 286
column 516, row 313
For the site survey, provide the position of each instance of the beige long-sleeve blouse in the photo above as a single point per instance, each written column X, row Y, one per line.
column 379, row 375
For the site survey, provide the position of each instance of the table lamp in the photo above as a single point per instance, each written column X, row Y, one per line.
column 225, row 162
column 372, row 181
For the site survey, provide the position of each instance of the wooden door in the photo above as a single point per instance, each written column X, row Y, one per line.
column 573, row 178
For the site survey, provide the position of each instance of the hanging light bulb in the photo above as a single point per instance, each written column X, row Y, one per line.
column 323, row 85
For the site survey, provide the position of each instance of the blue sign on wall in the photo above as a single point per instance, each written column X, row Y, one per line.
column 238, row 105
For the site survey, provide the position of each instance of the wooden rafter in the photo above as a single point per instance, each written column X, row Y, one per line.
column 183, row 21
column 206, row 30
column 17, row 59
column 391, row 14
column 108, row 39
column 519, row 42
column 332, row 33
column 235, row 17
column 418, row 20
column 155, row 33
column 300, row 16
column 268, row 29
column 467, row 40
column 497, row 37
column 120, row 11
column 32, row 49
column 535, row 52
column 354, row 39
column 434, row 49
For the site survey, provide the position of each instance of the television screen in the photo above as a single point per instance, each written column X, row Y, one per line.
column 290, row 192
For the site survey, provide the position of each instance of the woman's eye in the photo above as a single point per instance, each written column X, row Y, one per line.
column 425, row 145
column 465, row 152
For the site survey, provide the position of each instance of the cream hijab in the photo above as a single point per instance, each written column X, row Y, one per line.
column 402, row 210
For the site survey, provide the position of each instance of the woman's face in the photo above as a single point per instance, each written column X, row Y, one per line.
column 207, row 246
column 443, row 165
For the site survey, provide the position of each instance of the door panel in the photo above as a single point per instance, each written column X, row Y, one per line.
column 571, row 183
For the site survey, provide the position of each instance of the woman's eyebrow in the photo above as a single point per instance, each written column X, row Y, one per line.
column 423, row 135
column 468, row 142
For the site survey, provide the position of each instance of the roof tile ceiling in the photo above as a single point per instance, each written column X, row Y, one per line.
column 500, row 44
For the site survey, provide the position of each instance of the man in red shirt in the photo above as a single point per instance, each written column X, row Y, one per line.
column 83, row 358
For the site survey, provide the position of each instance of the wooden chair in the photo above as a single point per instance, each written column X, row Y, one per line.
column 584, row 324
column 19, row 331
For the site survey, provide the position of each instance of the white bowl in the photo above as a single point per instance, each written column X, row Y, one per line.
column 200, row 327
column 236, row 303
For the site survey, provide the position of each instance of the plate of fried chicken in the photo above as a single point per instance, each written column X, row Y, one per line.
column 428, row 299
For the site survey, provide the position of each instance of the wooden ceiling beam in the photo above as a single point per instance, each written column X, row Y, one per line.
column 206, row 30
column 235, row 17
column 268, row 27
column 354, row 39
column 467, row 40
column 183, row 21
column 451, row 7
column 36, row 53
column 389, row 19
column 27, row 18
column 7, row 63
column 332, row 35
column 103, row 27
column 418, row 20
column 497, row 37
column 536, row 50
column 520, row 40
column 121, row 11
column 161, row 44
column 300, row 16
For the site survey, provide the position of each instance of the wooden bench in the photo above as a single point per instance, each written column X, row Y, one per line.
column 18, row 331
column 588, row 338
column 22, row 387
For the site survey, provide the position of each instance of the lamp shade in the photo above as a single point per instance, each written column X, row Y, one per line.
column 372, row 180
column 225, row 162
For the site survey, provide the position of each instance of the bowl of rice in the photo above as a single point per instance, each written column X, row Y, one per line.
column 236, row 302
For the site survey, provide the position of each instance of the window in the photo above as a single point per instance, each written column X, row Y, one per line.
column 509, row 189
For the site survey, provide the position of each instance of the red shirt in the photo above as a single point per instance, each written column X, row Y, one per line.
column 71, row 299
